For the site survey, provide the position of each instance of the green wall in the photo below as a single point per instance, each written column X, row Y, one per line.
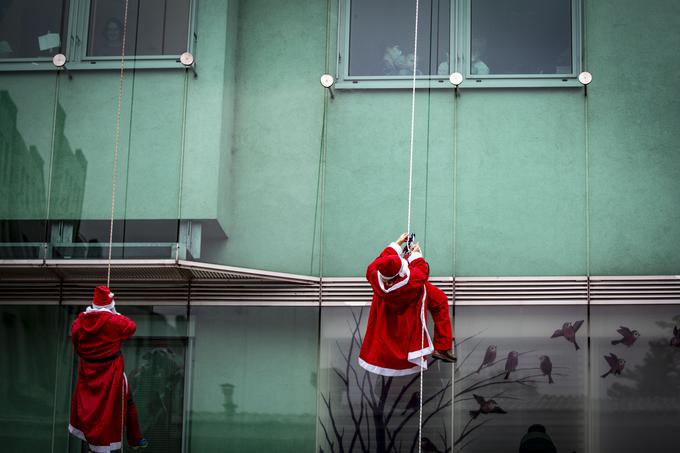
column 506, row 181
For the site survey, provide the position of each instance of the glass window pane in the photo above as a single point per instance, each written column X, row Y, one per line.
column 32, row 28
column 154, row 27
column 32, row 348
column 488, row 338
column 381, row 38
column 520, row 37
column 636, row 408
column 365, row 412
column 254, row 379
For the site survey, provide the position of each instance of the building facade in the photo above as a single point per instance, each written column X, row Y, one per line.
column 249, row 200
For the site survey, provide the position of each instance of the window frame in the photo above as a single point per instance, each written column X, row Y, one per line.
column 345, row 81
column 75, row 47
column 459, row 37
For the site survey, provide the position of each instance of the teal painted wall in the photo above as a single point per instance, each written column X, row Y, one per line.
column 506, row 181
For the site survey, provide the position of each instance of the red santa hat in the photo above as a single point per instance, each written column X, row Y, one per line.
column 103, row 298
column 390, row 266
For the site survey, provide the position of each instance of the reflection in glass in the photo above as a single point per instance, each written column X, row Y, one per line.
column 381, row 38
column 365, row 412
column 636, row 397
column 520, row 366
column 32, row 28
column 154, row 27
column 520, row 37
column 32, row 346
column 254, row 379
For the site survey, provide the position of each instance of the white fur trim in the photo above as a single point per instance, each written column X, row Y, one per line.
column 95, row 448
column 396, row 285
column 387, row 371
column 418, row 357
column 111, row 308
column 396, row 248
column 414, row 256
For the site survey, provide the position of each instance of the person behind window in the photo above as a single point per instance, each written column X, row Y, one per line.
column 477, row 49
column 111, row 40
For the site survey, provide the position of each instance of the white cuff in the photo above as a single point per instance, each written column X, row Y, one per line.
column 396, row 248
column 414, row 256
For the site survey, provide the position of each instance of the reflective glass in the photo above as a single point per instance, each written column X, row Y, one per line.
column 517, row 368
column 27, row 125
column 520, row 37
column 635, row 360
column 155, row 27
column 361, row 411
column 32, row 366
column 254, row 379
column 381, row 36
column 32, row 28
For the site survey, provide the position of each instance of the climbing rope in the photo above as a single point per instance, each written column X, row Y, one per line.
column 114, row 176
column 408, row 220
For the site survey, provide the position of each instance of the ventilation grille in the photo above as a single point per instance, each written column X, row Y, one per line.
column 635, row 290
column 522, row 291
column 255, row 292
column 28, row 293
column 356, row 291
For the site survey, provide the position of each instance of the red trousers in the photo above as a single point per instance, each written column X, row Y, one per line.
column 438, row 305
column 134, row 432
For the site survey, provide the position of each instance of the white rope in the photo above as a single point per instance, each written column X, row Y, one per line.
column 408, row 221
column 413, row 119
column 114, row 177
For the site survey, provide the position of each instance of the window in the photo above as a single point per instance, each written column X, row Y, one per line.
column 493, row 43
column 520, row 37
column 90, row 33
column 381, row 38
column 32, row 29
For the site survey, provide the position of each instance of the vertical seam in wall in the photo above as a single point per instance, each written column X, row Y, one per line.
column 46, row 238
column 185, row 101
column 427, row 164
column 321, row 195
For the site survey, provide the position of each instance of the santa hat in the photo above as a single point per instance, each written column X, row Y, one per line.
column 103, row 298
column 391, row 266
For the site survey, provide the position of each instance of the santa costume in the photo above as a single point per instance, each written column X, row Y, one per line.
column 101, row 400
column 397, row 341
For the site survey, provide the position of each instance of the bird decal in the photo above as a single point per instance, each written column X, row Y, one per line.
column 615, row 364
column 486, row 407
column 568, row 331
column 546, row 367
column 629, row 336
column 511, row 363
column 489, row 357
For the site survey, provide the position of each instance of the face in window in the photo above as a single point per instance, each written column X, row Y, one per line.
column 113, row 32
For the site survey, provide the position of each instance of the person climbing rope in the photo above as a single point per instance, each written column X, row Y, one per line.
column 102, row 398
column 393, row 343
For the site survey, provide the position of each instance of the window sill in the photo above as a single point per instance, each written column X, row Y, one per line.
column 92, row 65
column 470, row 83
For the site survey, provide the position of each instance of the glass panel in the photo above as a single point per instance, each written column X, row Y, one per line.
column 254, row 378
column 636, row 403
column 546, row 384
column 520, row 37
column 381, row 38
column 155, row 27
column 32, row 347
column 32, row 28
column 26, row 131
column 361, row 411
column 149, row 159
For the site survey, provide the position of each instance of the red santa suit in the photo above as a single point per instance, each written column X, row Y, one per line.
column 101, row 400
column 395, row 343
